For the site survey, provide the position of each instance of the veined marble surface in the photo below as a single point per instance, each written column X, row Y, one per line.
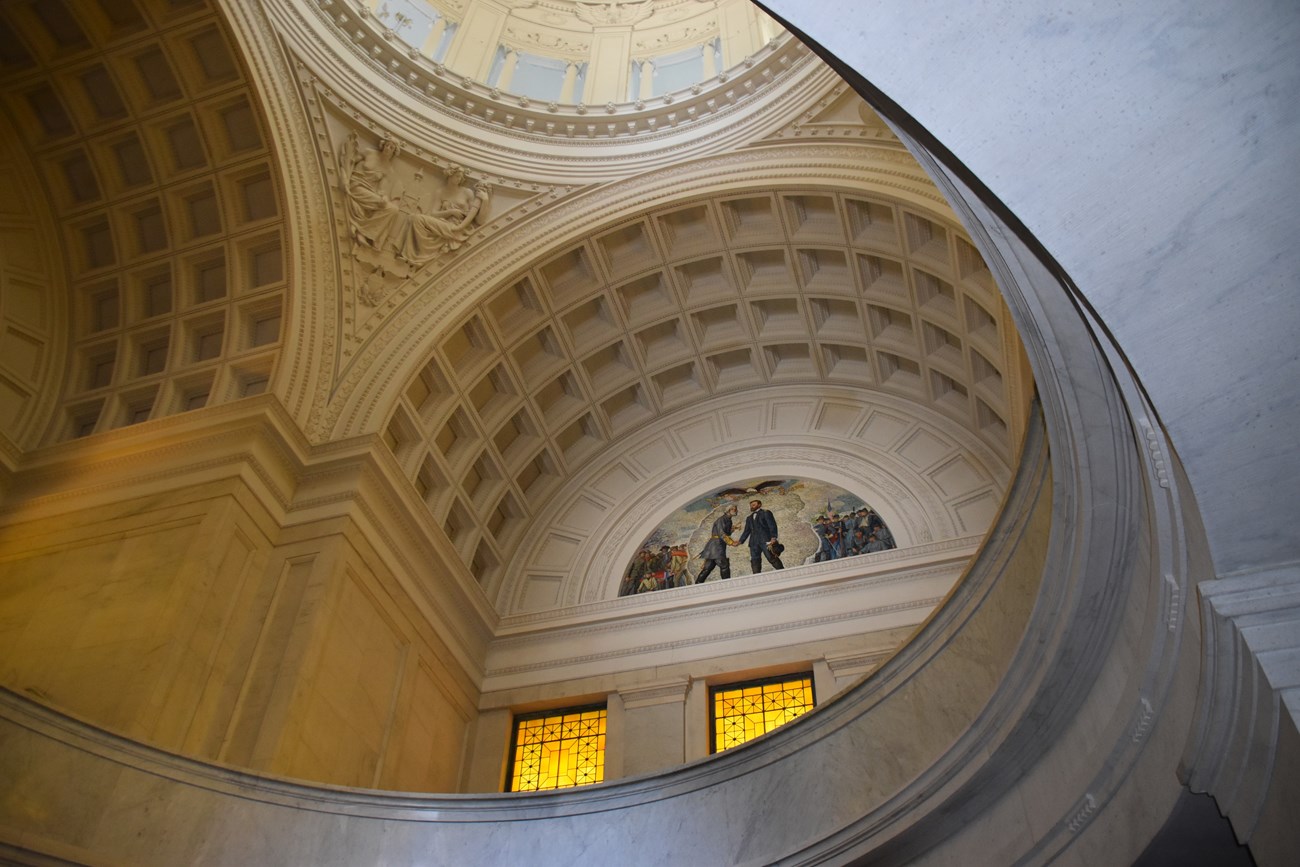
column 1152, row 150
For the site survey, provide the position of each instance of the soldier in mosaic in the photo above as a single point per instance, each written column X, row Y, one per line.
column 715, row 550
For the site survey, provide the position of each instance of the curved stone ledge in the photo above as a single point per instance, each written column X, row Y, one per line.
column 143, row 805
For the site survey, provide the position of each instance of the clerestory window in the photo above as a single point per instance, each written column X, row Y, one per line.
column 557, row 749
column 743, row 711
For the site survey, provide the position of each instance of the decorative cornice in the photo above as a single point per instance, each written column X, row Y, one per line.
column 678, row 644
column 441, row 91
column 646, row 695
column 884, row 568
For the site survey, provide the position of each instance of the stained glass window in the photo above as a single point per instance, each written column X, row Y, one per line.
column 557, row 749
column 744, row 711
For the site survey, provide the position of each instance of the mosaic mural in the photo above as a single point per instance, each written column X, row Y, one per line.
column 798, row 521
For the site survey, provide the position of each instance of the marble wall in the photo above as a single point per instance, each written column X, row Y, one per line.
column 187, row 613
column 748, row 806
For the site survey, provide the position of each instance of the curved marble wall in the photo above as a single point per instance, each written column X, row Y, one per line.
column 141, row 805
column 964, row 720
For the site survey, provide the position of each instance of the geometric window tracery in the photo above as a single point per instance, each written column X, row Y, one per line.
column 557, row 749
column 743, row 711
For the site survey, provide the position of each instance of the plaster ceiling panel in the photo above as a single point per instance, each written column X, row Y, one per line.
column 539, row 357
column 699, row 434
column 539, row 477
column 837, row 318
column 720, row 326
column 680, row 385
column 792, row 415
column 927, row 241
column 654, row 456
column 974, row 271
column 826, row 271
column 873, row 224
column 705, row 281
column 73, row 177
column 468, row 350
column 987, row 377
column 776, row 318
column 942, row 346
column 560, row 399
column 569, row 276
column 516, row 309
column 901, row 374
column 579, row 439
column 936, row 297
column 506, row 521
column 494, row 396
column 847, row 363
column 616, row 481
column 977, row 512
column 813, row 218
column 645, row 298
column 923, row 449
column 989, row 421
column 233, row 127
column 664, row 344
column 690, row 231
column 957, row 477
column 100, row 95
column 791, row 362
column 627, row 408
column 14, row 55
column 751, row 219
column 26, row 303
column 609, row 368
column 883, row 278
column 891, row 327
column 628, row 250
column 539, row 592
column 764, row 271
column 981, row 325
column 518, row 438
column 839, row 419
column 735, row 369
column 591, row 324
column 584, row 514
column 744, row 422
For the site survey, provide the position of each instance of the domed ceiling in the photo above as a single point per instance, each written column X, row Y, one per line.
column 699, row 273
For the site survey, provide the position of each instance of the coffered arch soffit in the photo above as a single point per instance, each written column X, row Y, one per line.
column 669, row 304
column 391, row 343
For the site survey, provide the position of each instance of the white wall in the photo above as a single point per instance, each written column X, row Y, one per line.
column 1151, row 149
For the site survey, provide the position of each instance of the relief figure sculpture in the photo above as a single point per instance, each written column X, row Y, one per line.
column 448, row 226
column 397, row 225
column 374, row 217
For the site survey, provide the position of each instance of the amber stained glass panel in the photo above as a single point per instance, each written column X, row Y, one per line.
column 744, row 712
column 560, row 750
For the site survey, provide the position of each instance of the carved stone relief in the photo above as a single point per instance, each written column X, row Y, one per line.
column 603, row 13
column 397, row 220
